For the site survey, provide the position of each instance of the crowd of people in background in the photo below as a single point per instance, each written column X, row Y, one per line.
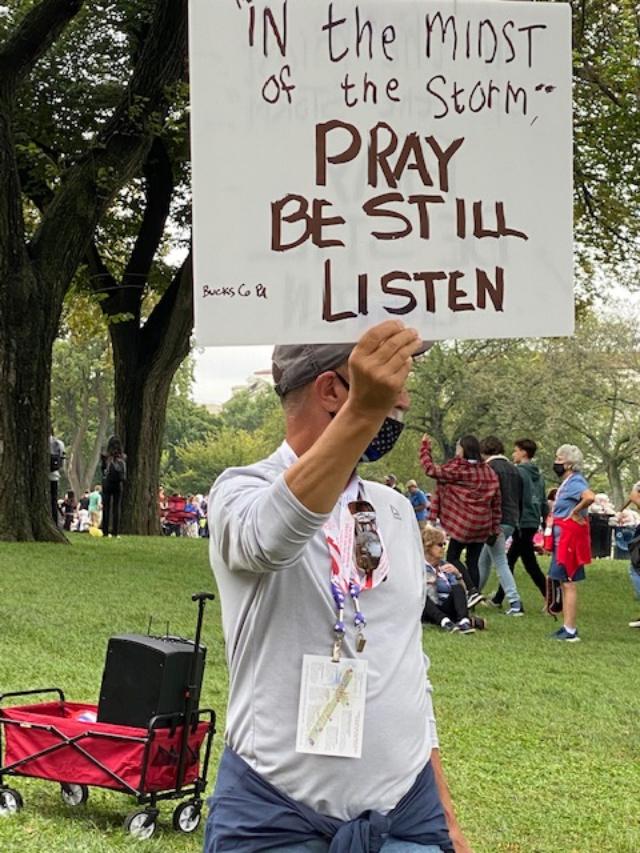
column 183, row 516
column 489, row 512
column 98, row 511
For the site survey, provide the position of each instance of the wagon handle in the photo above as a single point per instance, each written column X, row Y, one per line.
column 202, row 596
column 32, row 693
column 192, row 693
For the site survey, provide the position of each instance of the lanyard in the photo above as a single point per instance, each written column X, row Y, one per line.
column 562, row 486
column 346, row 578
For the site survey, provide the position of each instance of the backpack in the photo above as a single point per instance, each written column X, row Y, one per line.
column 56, row 456
column 116, row 470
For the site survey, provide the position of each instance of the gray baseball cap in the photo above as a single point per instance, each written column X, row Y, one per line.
column 295, row 365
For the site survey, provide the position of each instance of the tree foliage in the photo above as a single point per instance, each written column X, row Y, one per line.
column 82, row 391
column 86, row 90
column 94, row 171
column 249, row 427
column 606, row 70
column 583, row 390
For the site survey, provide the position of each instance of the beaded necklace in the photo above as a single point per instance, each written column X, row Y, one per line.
column 346, row 577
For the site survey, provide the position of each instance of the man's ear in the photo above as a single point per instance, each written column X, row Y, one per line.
column 330, row 393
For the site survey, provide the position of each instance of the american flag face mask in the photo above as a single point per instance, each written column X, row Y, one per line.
column 387, row 435
column 384, row 441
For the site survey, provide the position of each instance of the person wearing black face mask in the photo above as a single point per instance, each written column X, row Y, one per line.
column 559, row 469
column 571, row 546
column 286, row 542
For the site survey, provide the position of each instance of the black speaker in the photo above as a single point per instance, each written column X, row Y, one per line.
column 146, row 676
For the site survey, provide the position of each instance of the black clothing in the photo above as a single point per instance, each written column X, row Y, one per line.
column 68, row 508
column 111, row 505
column 522, row 546
column 55, row 509
column 114, row 473
column 470, row 572
column 510, row 489
column 454, row 607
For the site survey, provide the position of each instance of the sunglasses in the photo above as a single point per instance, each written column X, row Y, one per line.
column 367, row 542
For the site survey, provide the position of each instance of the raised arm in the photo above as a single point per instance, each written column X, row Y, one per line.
column 263, row 524
column 441, row 473
column 378, row 368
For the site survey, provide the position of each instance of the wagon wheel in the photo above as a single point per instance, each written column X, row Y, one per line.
column 140, row 825
column 187, row 816
column 10, row 802
column 74, row 795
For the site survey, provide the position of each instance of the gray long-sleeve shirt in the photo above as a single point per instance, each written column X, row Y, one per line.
column 271, row 562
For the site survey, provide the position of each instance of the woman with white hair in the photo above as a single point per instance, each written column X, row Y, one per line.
column 571, row 546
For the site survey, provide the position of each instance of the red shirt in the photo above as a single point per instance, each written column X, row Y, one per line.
column 467, row 499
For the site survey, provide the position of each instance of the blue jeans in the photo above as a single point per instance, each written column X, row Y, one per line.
column 634, row 574
column 391, row 845
column 497, row 555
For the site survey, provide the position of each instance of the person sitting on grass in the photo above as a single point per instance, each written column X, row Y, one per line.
column 446, row 602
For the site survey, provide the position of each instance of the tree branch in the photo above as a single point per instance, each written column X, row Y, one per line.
column 88, row 188
column 589, row 435
column 37, row 31
column 172, row 317
column 33, row 185
column 613, row 411
column 588, row 75
column 159, row 177
column 101, row 281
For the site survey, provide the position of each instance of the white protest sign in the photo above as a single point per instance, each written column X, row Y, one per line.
column 356, row 161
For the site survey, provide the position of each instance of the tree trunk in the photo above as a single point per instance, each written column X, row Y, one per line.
column 145, row 361
column 81, row 471
column 615, row 483
column 26, row 343
column 140, row 404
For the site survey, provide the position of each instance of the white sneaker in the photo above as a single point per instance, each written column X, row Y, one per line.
column 635, row 623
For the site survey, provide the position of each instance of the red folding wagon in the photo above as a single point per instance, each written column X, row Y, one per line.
column 62, row 742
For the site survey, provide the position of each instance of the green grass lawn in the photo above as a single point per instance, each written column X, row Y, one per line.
column 539, row 739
